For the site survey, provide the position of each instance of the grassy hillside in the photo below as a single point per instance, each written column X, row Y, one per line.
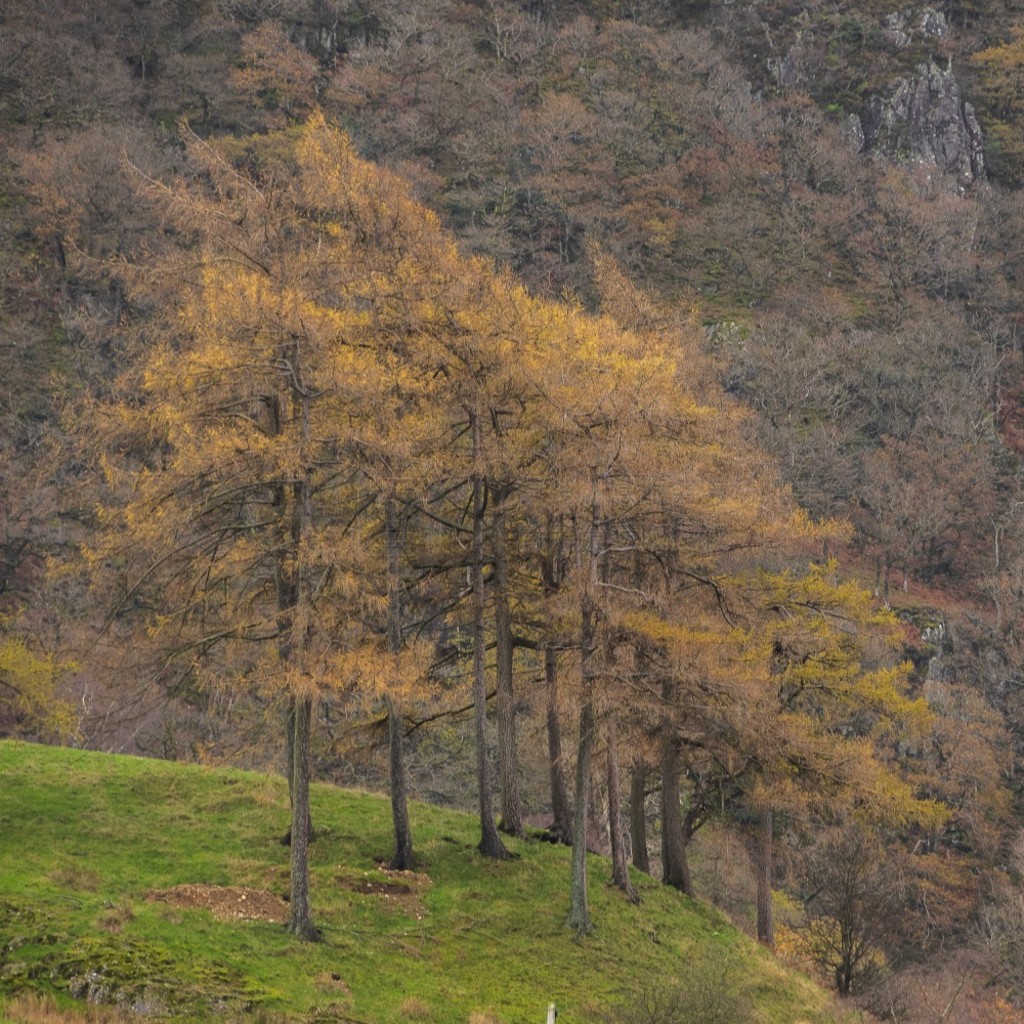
column 155, row 886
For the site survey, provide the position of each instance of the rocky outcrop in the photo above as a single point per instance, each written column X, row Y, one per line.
column 316, row 37
column 319, row 28
column 924, row 119
column 901, row 28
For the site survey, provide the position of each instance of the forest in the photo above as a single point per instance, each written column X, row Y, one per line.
column 604, row 416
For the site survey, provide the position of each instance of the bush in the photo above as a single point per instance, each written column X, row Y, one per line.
column 712, row 988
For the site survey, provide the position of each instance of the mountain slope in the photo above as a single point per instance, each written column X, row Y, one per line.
column 114, row 884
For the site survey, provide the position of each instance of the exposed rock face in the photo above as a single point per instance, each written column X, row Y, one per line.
column 901, row 28
column 320, row 38
column 925, row 120
column 853, row 133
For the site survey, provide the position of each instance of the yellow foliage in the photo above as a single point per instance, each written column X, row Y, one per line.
column 28, row 687
column 322, row 356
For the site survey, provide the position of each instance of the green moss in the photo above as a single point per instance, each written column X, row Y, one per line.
column 143, row 976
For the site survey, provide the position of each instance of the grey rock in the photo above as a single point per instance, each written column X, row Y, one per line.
column 896, row 29
column 933, row 23
column 853, row 133
column 787, row 70
column 924, row 120
column 900, row 26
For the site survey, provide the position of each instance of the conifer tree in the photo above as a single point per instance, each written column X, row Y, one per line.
column 239, row 493
column 782, row 712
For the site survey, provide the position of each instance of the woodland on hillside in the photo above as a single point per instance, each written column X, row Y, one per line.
column 378, row 376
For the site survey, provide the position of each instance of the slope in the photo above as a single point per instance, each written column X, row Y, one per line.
column 156, row 887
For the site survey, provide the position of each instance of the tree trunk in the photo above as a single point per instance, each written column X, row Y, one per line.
column 289, row 731
column 675, row 864
column 508, row 759
column 579, row 911
column 300, row 920
column 296, row 515
column 402, row 859
column 289, row 755
column 490, row 841
column 551, row 576
column 639, row 771
column 620, row 869
column 638, row 817
column 561, row 824
column 763, row 870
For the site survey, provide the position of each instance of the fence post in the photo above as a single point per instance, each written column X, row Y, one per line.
column 552, row 1013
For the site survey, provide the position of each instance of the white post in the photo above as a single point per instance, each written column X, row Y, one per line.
column 552, row 1013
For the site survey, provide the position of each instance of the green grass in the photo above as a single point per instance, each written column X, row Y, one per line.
column 85, row 838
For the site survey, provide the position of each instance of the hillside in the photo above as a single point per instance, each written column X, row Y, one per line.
column 609, row 402
column 111, row 870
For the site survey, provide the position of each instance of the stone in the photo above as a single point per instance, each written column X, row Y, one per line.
column 924, row 120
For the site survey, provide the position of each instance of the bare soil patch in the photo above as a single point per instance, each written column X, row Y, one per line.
column 226, row 902
column 403, row 889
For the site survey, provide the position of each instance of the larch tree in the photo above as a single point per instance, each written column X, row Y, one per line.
column 774, row 708
column 818, row 705
column 237, row 509
column 518, row 479
column 483, row 355
column 553, row 557
column 397, row 437
column 699, row 500
column 497, row 438
column 511, row 801
column 659, row 487
column 613, row 404
column 474, row 334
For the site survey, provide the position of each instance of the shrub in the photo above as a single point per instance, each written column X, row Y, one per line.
column 712, row 988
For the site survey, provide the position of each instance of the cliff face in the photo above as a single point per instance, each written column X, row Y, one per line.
column 890, row 74
column 924, row 119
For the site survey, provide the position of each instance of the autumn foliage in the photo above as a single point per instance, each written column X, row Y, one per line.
column 580, row 406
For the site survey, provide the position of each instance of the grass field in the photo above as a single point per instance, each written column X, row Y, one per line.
column 122, row 883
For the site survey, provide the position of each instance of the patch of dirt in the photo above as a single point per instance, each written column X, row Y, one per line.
column 382, row 888
column 226, row 902
column 403, row 889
